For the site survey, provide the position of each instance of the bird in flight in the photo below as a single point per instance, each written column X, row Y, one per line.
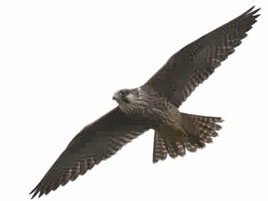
column 154, row 105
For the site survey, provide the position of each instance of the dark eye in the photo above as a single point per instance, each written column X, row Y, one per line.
column 121, row 94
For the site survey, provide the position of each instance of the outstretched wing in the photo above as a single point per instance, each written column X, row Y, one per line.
column 93, row 144
column 193, row 64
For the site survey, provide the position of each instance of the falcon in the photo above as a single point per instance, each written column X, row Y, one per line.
column 154, row 105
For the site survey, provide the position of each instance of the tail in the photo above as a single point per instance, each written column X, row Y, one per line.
column 199, row 130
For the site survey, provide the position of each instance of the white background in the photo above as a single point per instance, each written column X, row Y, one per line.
column 60, row 63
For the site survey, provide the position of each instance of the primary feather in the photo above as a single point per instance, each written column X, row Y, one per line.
column 194, row 63
column 154, row 105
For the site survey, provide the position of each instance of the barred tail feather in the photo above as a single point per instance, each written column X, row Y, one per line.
column 203, row 129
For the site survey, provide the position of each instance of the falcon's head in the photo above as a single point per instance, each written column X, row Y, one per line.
column 126, row 98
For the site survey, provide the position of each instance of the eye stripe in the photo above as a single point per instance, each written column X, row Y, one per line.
column 125, row 100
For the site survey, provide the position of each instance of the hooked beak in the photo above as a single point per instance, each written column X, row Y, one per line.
column 115, row 96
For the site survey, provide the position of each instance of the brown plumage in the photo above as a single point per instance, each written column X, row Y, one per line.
column 206, row 128
column 154, row 106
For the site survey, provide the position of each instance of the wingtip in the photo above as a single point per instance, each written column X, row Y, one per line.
column 34, row 194
column 256, row 16
column 35, row 191
column 255, row 11
column 251, row 8
column 251, row 11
